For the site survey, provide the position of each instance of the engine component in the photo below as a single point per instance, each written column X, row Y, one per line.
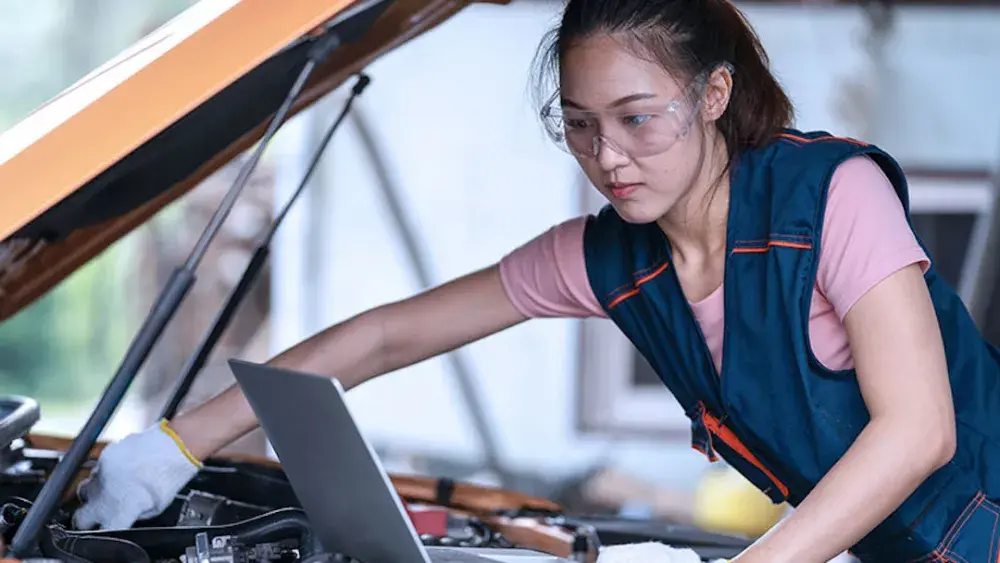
column 205, row 509
column 280, row 535
column 466, row 531
column 17, row 416
column 227, row 549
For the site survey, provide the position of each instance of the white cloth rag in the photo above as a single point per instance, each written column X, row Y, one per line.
column 648, row 552
column 655, row 552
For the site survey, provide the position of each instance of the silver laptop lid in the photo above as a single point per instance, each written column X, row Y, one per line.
column 336, row 475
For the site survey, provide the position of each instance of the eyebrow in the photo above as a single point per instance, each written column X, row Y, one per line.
column 566, row 102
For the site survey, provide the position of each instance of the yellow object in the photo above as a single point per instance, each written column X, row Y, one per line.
column 180, row 443
column 726, row 502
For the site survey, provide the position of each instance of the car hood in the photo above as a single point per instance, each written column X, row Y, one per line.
column 109, row 152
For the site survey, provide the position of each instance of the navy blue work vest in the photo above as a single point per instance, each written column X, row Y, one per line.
column 775, row 413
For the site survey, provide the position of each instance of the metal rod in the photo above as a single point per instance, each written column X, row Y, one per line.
column 221, row 322
column 317, row 53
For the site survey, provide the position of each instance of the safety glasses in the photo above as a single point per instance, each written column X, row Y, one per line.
column 636, row 132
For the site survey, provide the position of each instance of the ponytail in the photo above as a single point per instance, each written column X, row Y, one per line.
column 758, row 106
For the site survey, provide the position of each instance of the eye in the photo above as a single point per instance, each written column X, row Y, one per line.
column 575, row 122
column 636, row 120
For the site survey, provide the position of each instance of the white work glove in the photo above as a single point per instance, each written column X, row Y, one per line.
column 647, row 552
column 135, row 479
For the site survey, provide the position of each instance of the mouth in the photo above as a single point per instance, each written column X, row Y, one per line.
column 621, row 190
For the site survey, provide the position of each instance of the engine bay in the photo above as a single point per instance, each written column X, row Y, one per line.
column 244, row 510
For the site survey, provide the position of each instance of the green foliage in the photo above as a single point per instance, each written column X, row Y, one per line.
column 62, row 347
column 28, row 351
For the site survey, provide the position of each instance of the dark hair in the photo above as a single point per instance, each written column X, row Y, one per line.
column 687, row 37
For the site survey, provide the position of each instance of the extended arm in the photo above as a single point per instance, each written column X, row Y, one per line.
column 545, row 277
column 372, row 343
column 139, row 476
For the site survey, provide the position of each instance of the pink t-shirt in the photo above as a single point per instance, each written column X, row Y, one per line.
column 865, row 239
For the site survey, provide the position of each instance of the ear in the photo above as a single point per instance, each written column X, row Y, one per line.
column 717, row 93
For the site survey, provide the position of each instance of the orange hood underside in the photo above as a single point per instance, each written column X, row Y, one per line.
column 108, row 153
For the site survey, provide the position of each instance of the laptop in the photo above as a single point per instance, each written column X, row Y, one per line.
column 340, row 482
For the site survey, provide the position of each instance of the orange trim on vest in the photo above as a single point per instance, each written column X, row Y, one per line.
column 786, row 244
column 734, row 443
column 637, row 283
column 823, row 138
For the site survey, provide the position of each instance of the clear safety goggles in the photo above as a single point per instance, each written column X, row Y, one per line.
column 636, row 132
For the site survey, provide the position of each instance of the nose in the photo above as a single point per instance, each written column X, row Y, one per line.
column 608, row 156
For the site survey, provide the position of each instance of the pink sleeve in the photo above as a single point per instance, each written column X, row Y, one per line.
column 547, row 276
column 865, row 234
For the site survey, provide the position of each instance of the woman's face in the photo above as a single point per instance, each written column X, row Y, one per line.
column 649, row 164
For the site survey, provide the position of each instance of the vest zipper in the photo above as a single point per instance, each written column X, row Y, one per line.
column 718, row 429
column 715, row 426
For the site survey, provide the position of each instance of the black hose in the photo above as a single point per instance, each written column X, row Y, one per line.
column 164, row 542
column 50, row 548
column 59, row 544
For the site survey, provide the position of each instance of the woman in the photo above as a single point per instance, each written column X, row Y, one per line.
column 770, row 276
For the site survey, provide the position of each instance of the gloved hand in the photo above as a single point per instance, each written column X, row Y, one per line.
column 135, row 479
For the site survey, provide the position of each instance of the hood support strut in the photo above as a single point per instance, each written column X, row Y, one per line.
column 197, row 360
column 25, row 541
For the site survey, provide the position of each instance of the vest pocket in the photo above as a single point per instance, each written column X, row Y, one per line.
column 710, row 436
column 973, row 536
